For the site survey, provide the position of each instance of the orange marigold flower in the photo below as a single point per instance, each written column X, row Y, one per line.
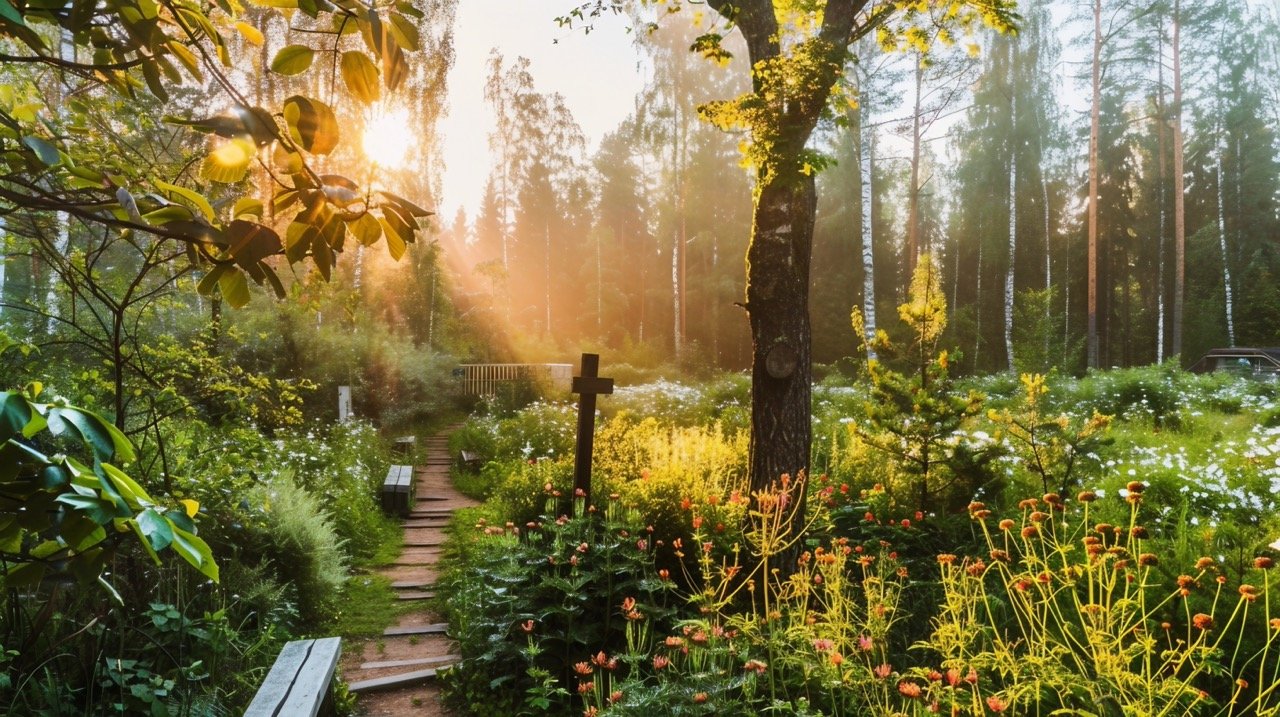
column 836, row 659
column 1000, row 556
column 1138, row 531
column 700, row 698
column 946, row 558
column 1263, row 562
column 976, row 506
column 1204, row 563
column 883, row 670
column 585, row 687
column 1202, row 621
column 755, row 666
column 910, row 690
column 582, row 668
column 1186, row 581
column 975, row 568
column 1006, row 525
column 660, row 661
column 1039, row 516
column 1086, row 496
column 1030, row 531
column 1135, row 486
column 1248, row 593
column 981, row 514
column 1275, row 623
column 1051, row 498
column 1148, row 559
column 995, row 704
column 1027, row 504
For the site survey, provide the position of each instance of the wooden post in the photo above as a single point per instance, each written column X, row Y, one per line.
column 588, row 386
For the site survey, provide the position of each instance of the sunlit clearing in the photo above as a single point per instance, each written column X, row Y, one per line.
column 388, row 137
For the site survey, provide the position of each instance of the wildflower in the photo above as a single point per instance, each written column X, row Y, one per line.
column 697, row 522
column 934, row 675
column 628, row 604
column 995, row 704
column 591, row 711
column 1202, row 621
column 755, row 666
column 1138, row 531
column 700, row 698
column 836, row 659
column 883, row 670
column 526, row 627
column 972, row 677
column 660, row 661
column 1000, row 556
column 953, row 677
column 1263, row 562
column 1204, row 563
column 976, row 506
column 1051, row 498
column 822, row 644
column 946, row 559
column 615, row 697
column 673, row 641
column 1027, row 504
column 980, row 514
column 1248, row 593
column 1086, row 496
column 910, row 690
column 1275, row 623
column 1135, row 486
column 582, row 668
column 1006, row 525
column 1030, row 531
column 975, row 568
column 699, row 638
column 585, row 687
column 864, row 643
column 1103, row 528
column 664, row 575
column 1148, row 559
column 1039, row 516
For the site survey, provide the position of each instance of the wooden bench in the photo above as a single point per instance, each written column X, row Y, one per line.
column 397, row 490
column 404, row 445
column 471, row 459
column 299, row 682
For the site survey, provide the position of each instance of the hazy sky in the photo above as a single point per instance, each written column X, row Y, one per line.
column 595, row 72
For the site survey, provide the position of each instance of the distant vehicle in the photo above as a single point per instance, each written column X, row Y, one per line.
column 1257, row 363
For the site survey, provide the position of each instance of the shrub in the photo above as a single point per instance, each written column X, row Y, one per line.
column 302, row 546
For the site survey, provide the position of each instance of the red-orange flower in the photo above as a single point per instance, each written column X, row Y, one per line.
column 1202, row 621
column 910, row 690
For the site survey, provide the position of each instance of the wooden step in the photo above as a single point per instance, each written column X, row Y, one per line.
column 413, row 585
column 387, row 683
column 438, row 628
column 415, row 596
column 415, row 662
column 423, row 544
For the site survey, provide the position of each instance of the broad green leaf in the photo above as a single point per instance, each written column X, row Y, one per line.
column 395, row 243
column 394, row 66
column 157, row 529
column 99, row 510
column 250, row 33
column 405, row 205
column 134, row 494
column 8, row 12
column 210, row 280
column 312, row 124
column 195, row 551
column 195, row 198
column 24, row 575
column 292, row 60
column 234, row 287
column 250, row 243
column 405, row 31
column 107, row 442
column 366, row 229
column 230, row 161
column 171, row 213
column 15, row 413
column 322, row 254
column 361, row 76
column 45, row 152
column 81, row 532
column 133, row 525
column 298, row 239
column 187, row 58
column 247, row 207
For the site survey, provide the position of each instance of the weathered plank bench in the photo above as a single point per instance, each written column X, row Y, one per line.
column 397, row 490
column 471, row 459
column 299, row 682
column 404, row 445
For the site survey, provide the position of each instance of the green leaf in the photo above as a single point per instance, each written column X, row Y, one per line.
column 195, row 551
column 15, row 413
column 250, row 243
column 292, row 60
column 394, row 67
column 195, row 198
column 246, row 207
column 230, row 161
column 24, row 575
column 361, row 76
column 395, row 243
column 210, row 280
column 406, row 206
column 81, row 532
column 45, row 152
column 107, row 442
column 405, row 31
column 99, row 510
column 312, row 124
column 321, row 254
column 8, row 12
column 157, row 529
column 234, row 288
column 297, row 240
column 366, row 229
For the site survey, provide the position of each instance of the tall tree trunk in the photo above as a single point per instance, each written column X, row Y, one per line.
column 1160, row 191
column 677, row 308
column 913, row 198
column 1094, row 127
column 977, row 313
column 1226, row 257
column 1013, row 218
column 4, row 246
column 866, row 148
column 1179, row 191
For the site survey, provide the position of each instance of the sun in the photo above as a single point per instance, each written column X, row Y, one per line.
column 388, row 137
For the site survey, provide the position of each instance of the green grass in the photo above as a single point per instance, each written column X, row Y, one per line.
column 369, row 607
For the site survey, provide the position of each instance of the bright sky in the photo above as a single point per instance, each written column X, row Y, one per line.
column 595, row 72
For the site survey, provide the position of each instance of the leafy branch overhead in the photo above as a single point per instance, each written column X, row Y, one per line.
column 152, row 47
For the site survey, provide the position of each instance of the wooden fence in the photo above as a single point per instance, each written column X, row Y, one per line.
column 485, row 379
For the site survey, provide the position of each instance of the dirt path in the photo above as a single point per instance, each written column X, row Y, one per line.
column 395, row 674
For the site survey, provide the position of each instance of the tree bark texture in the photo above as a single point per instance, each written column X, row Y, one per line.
column 1179, row 191
column 1094, row 128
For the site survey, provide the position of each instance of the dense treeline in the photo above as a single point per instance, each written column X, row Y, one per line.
column 979, row 152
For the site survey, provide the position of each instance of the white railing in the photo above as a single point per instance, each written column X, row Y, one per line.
column 484, row 379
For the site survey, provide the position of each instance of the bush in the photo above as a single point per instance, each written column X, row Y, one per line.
column 302, row 546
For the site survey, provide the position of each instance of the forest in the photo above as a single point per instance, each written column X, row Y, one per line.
column 932, row 446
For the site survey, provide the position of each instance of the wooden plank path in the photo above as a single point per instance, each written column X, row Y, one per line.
column 395, row 674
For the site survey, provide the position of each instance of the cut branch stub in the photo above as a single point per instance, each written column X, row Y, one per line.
column 781, row 360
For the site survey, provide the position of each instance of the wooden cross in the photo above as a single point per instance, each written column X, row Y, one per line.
column 588, row 386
